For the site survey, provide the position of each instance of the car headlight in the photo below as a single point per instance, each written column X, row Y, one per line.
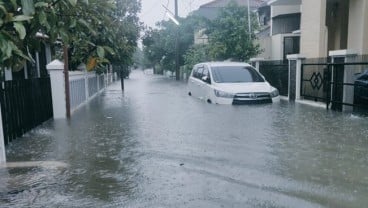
column 223, row 94
column 274, row 93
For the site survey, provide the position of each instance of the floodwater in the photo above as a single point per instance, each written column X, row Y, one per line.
column 154, row 146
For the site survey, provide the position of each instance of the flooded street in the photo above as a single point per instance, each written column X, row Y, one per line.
column 154, row 146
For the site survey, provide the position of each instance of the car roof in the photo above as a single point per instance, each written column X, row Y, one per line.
column 224, row 63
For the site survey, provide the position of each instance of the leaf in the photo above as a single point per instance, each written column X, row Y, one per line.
column 109, row 50
column 2, row 8
column 100, row 52
column 64, row 35
column 7, row 49
column 87, row 25
column 41, row 4
column 43, row 20
column 28, row 7
column 21, row 30
column 91, row 63
column 20, row 18
column 14, row 3
column 73, row 2
column 73, row 24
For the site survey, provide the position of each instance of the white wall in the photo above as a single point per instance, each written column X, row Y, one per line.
column 265, row 44
column 200, row 37
column 314, row 34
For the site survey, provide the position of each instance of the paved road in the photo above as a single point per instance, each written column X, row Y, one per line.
column 154, row 146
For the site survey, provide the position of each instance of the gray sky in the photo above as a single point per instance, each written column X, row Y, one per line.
column 153, row 11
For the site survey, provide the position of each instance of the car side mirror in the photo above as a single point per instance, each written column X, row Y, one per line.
column 206, row 79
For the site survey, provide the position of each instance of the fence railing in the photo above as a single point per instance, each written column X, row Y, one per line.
column 84, row 86
column 277, row 74
column 336, row 84
column 314, row 81
column 25, row 104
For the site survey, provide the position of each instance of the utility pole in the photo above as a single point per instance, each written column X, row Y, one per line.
column 66, row 79
column 249, row 27
column 177, row 69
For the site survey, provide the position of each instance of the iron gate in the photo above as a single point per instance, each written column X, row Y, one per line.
column 324, row 82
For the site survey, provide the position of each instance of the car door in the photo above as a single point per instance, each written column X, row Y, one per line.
column 194, row 82
column 206, row 84
column 199, row 84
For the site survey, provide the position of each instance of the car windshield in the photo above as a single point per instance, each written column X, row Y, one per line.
column 235, row 74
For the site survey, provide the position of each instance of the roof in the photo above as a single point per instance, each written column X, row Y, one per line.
column 212, row 9
column 223, row 3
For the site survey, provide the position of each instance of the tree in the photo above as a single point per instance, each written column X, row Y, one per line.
column 96, row 32
column 159, row 44
column 229, row 36
column 12, row 34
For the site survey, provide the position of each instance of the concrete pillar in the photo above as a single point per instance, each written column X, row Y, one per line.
column 358, row 26
column 8, row 74
column 295, row 76
column 2, row 142
column 348, row 91
column 56, row 69
column 257, row 62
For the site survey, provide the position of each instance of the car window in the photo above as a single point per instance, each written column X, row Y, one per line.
column 235, row 74
column 205, row 72
column 195, row 69
column 199, row 74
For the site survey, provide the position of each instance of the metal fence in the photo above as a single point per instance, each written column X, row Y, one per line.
column 277, row 74
column 337, row 84
column 92, row 86
column 314, row 83
column 77, row 92
column 25, row 104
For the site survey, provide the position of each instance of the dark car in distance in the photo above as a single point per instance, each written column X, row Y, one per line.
column 361, row 88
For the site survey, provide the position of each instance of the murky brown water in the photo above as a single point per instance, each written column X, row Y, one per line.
column 154, row 146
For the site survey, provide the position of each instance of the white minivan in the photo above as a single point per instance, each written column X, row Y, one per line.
column 230, row 83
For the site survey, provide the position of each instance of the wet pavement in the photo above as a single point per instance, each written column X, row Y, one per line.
column 154, row 146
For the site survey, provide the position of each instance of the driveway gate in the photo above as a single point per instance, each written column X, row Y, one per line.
column 324, row 82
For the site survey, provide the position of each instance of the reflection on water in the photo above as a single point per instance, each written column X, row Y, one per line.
column 153, row 146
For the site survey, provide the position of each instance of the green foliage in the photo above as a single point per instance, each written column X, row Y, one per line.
column 196, row 54
column 12, row 34
column 106, row 30
column 229, row 37
column 159, row 44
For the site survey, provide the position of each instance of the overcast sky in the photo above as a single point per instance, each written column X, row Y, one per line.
column 153, row 11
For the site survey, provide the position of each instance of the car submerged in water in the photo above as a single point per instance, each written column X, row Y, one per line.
column 234, row 83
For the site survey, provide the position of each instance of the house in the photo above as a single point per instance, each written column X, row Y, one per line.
column 37, row 66
column 212, row 9
column 280, row 29
column 331, row 25
column 314, row 28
